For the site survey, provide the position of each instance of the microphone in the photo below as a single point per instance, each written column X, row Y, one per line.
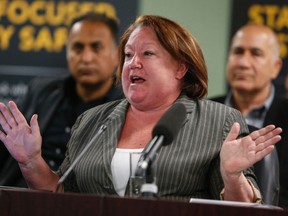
column 163, row 134
column 75, row 162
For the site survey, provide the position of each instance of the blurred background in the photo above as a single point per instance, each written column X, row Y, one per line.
column 33, row 33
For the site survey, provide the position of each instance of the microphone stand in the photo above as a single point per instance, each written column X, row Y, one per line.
column 146, row 169
column 149, row 189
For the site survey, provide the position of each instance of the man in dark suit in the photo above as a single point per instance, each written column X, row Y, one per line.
column 253, row 64
column 92, row 57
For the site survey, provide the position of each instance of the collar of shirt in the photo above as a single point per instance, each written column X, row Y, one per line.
column 257, row 115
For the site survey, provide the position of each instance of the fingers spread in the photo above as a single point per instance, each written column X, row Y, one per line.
column 267, row 142
column 266, row 136
column 254, row 135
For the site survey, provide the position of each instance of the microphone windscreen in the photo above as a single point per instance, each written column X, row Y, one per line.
column 170, row 123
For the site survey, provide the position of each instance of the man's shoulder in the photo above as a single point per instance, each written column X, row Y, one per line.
column 279, row 108
column 279, row 103
column 282, row 99
column 46, row 81
column 40, row 90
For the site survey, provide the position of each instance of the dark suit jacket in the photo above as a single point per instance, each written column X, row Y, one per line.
column 43, row 98
column 277, row 115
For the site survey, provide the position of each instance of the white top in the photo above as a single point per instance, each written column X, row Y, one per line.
column 123, row 166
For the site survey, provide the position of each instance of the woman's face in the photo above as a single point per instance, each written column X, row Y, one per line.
column 151, row 77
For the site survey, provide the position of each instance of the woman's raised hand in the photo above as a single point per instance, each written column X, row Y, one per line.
column 22, row 140
column 239, row 154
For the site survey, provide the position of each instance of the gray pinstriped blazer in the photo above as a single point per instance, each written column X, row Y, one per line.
column 188, row 167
